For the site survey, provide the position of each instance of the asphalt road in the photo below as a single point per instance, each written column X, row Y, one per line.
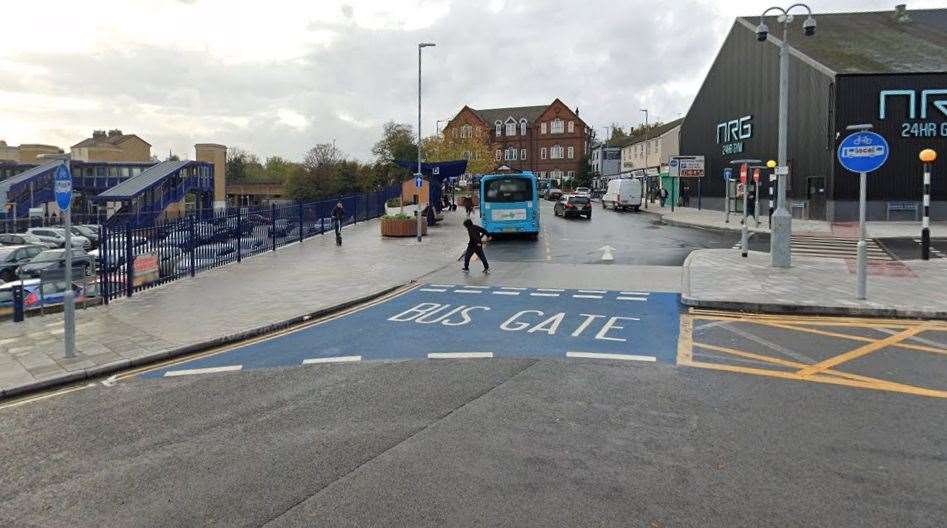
column 734, row 420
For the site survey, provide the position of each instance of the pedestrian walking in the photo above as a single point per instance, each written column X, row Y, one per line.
column 468, row 205
column 475, row 245
column 686, row 196
column 664, row 196
column 338, row 216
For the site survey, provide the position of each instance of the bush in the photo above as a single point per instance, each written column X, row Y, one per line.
column 394, row 202
column 399, row 216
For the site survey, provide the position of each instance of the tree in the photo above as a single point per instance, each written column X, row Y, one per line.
column 397, row 143
column 243, row 166
column 617, row 133
column 449, row 148
column 276, row 169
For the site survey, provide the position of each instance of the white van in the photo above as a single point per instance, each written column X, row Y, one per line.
column 622, row 194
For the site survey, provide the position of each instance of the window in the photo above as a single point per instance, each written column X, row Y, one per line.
column 522, row 154
column 467, row 155
column 499, row 130
column 511, row 127
column 522, row 127
column 570, row 174
column 556, row 152
column 542, row 153
column 557, row 126
column 508, row 190
column 510, row 154
column 571, row 152
column 499, row 153
column 542, row 127
column 571, row 127
column 466, row 131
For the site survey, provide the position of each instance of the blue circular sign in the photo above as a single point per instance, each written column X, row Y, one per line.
column 62, row 186
column 727, row 174
column 863, row 152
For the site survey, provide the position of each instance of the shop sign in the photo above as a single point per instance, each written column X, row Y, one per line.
column 145, row 269
column 923, row 120
column 730, row 134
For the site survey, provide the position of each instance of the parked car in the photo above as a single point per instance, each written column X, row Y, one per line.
column 553, row 194
column 51, row 293
column 623, row 194
column 572, row 205
column 91, row 234
column 53, row 260
column 583, row 191
column 205, row 256
column 57, row 236
column 24, row 239
column 12, row 257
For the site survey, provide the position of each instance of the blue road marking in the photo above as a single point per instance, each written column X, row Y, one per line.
column 509, row 322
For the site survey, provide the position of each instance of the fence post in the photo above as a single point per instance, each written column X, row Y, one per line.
column 239, row 237
column 322, row 220
column 103, row 264
column 18, row 304
column 190, row 228
column 300, row 222
column 273, row 223
column 129, row 262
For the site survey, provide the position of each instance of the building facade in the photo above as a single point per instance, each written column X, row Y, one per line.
column 604, row 163
column 26, row 153
column 112, row 146
column 887, row 69
column 647, row 153
column 550, row 140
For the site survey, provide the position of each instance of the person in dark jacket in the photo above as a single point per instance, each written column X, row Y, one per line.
column 338, row 216
column 468, row 205
column 475, row 245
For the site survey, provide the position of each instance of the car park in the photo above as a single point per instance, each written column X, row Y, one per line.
column 12, row 257
column 37, row 293
column 24, row 239
column 57, row 236
column 623, row 194
column 572, row 205
column 91, row 234
column 53, row 261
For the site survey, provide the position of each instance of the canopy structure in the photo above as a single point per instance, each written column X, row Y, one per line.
column 436, row 172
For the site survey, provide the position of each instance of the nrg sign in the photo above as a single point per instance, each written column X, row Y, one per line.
column 918, row 108
column 731, row 134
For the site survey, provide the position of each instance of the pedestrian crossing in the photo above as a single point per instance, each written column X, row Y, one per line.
column 828, row 246
column 935, row 253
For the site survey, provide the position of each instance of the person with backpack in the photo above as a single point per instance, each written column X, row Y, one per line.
column 338, row 216
column 475, row 245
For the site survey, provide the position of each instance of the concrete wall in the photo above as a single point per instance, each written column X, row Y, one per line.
column 216, row 154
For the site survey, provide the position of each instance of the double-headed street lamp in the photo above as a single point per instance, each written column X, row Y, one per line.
column 780, row 240
column 418, row 175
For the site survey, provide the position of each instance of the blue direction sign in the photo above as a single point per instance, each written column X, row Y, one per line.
column 727, row 174
column 418, row 182
column 63, row 187
column 863, row 152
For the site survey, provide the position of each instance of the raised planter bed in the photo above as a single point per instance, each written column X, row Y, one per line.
column 401, row 227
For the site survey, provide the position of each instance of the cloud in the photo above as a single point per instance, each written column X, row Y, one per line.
column 279, row 79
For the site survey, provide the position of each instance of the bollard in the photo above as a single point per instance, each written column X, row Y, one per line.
column 273, row 223
column 239, row 237
column 18, row 303
column 129, row 263
column 927, row 156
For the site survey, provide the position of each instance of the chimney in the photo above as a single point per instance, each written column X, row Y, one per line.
column 901, row 13
column 96, row 134
column 115, row 132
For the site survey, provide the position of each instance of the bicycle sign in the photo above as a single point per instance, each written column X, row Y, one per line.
column 62, row 187
column 863, row 152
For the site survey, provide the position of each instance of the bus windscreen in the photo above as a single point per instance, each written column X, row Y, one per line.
column 509, row 190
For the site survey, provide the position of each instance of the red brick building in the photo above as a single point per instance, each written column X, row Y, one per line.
column 549, row 140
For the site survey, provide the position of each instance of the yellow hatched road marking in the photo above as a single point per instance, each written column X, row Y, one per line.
column 861, row 351
column 902, row 344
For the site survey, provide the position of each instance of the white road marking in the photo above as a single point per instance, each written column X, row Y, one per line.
column 512, row 288
column 476, row 287
column 592, row 291
column 435, row 290
column 110, row 381
column 441, row 285
column 622, row 298
column 645, row 294
column 550, row 289
column 337, row 359
column 505, row 293
column 545, row 294
column 459, row 355
column 467, row 291
column 587, row 296
column 209, row 370
column 623, row 357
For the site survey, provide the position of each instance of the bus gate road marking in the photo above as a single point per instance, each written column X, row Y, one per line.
column 825, row 371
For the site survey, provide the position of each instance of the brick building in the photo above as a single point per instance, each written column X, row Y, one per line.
column 549, row 140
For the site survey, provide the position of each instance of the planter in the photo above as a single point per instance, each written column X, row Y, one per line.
column 400, row 227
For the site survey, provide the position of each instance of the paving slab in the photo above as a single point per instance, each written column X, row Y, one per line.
column 233, row 301
column 721, row 278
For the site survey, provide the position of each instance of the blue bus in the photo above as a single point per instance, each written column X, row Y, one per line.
column 509, row 203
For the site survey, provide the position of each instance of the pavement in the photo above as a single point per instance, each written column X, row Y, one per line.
column 235, row 301
column 723, row 279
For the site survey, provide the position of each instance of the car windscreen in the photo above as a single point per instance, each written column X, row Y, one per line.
column 5, row 253
column 507, row 190
column 581, row 200
column 50, row 256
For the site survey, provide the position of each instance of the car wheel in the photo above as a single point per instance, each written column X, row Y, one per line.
column 588, row 216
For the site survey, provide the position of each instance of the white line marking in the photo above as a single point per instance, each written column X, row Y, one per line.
column 505, row 293
column 622, row 298
column 476, row 287
column 550, row 289
column 467, row 291
column 592, row 291
column 441, row 285
column 459, row 355
column 545, row 294
column 337, row 359
column 587, row 296
column 644, row 294
column 435, row 290
column 624, row 357
column 209, row 370
column 512, row 288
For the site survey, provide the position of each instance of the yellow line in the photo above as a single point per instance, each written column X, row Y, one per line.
column 29, row 399
column 700, row 313
column 860, row 351
column 858, row 338
column 685, row 339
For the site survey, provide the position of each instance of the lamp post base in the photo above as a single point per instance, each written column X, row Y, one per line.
column 780, row 239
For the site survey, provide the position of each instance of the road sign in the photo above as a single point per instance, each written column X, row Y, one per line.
column 727, row 174
column 418, row 182
column 743, row 172
column 782, row 170
column 686, row 167
column 863, row 152
column 756, row 175
column 63, row 187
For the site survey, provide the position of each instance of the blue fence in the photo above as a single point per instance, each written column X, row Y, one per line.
column 132, row 259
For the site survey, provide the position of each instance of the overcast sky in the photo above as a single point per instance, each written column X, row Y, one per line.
column 278, row 76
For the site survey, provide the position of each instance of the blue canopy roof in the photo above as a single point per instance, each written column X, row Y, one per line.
column 438, row 169
column 135, row 185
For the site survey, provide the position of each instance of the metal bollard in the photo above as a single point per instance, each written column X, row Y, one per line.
column 273, row 223
column 18, row 303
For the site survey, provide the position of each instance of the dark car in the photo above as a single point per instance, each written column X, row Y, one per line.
column 573, row 206
column 23, row 239
column 53, row 261
column 12, row 257
column 553, row 194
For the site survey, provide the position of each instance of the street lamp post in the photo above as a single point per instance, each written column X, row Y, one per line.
column 645, row 178
column 780, row 240
column 418, row 176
